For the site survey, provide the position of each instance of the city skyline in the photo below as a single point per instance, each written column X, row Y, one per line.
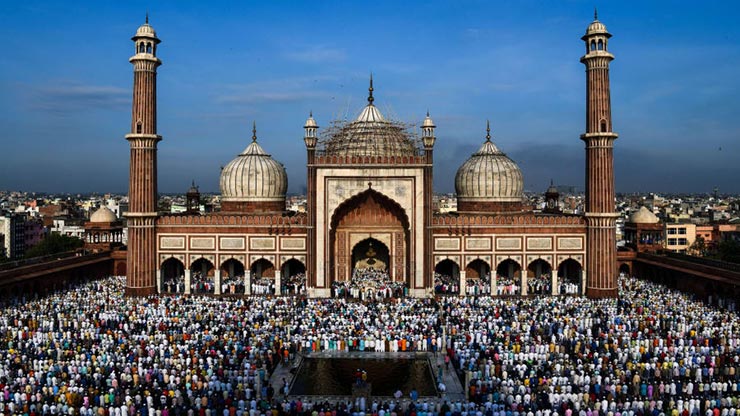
column 66, row 109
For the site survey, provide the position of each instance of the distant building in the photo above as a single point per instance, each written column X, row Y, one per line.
column 679, row 236
column 643, row 231
column 104, row 231
column 13, row 227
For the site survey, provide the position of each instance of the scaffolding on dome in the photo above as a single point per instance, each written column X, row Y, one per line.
column 378, row 137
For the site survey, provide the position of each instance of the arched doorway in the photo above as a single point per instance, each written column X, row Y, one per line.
column 370, row 254
column 293, row 275
column 539, row 278
column 232, row 277
column 373, row 217
column 172, row 274
column 509, row 278
column 202, row 276
column 478, row 277
column 570, row 274
column 447, row 277
column 263, row 277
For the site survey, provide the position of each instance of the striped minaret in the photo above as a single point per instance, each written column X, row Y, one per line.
column 601, row 245
column 141, row 265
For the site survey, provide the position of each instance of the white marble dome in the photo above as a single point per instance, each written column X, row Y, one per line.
column 253, row 176
column 644, row 216
column 489, row 175
column 103, row 214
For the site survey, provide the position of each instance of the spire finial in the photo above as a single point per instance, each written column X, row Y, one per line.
column 427, row 112
column 370, row 98
column 310, row 113
column 193, row 184
column 146, row 19
column 596, row 14
column 551, row 182
column 254, row 131
column 488, row 131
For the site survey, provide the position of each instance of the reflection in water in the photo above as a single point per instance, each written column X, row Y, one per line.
column 334, row 376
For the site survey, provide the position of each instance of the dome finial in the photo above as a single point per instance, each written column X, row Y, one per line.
column 488, row 131
column 146, row 19
column 427, row 112
column 370, row 98
column 310, row 113
column 596, row 14
column 254, row 131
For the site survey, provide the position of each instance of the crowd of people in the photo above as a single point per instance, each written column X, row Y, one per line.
column 232, row 285
column 202, row 283
column 540, row 285
column 508, row 286
column 479, row 286
column 444, row 284
column 263, row 286
column 175, row 284
column 295, row 284
column 89, row 350
column 369, row 284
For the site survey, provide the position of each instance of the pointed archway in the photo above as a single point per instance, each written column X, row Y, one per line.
column 369, row 217
column 370, row 254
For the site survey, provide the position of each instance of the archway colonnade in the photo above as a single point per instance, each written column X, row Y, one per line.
column 477, row 278
column 231, row 277
column 509, row 278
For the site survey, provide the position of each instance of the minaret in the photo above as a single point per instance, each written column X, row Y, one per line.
column 428, row 138
column 141, row 263
column 310, row 138
column 601, row 247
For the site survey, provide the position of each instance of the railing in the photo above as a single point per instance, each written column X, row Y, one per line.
column 36, row 260
column 53, row 262
column 678, row 257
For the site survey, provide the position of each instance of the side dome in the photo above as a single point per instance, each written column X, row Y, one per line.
column 370, row 134
column 489, row 181
column 253, row 181
column 103, row 214
column 644, row 216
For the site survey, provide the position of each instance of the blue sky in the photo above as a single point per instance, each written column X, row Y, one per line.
column 66, row 83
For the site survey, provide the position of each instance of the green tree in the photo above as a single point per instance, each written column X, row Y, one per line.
column 54, row 243
column 729, row 250
column 699, row 247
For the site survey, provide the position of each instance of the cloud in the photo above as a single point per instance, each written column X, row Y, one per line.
column 74, row 97
column 285, row 90
column 316, row 54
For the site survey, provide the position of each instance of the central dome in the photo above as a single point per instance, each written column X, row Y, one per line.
column 369, row 135
column 489, row 181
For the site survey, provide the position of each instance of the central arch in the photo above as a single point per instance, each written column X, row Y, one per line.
column 369, row 217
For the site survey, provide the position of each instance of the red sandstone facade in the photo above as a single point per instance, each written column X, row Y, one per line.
column 386, row 198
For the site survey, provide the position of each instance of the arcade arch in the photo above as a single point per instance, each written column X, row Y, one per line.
column 172, row 276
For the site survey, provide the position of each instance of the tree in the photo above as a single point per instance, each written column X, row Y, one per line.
column 729, row 250
column 699, row 247
column 54, row 243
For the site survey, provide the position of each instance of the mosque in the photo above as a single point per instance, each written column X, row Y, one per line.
column 369, row 206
